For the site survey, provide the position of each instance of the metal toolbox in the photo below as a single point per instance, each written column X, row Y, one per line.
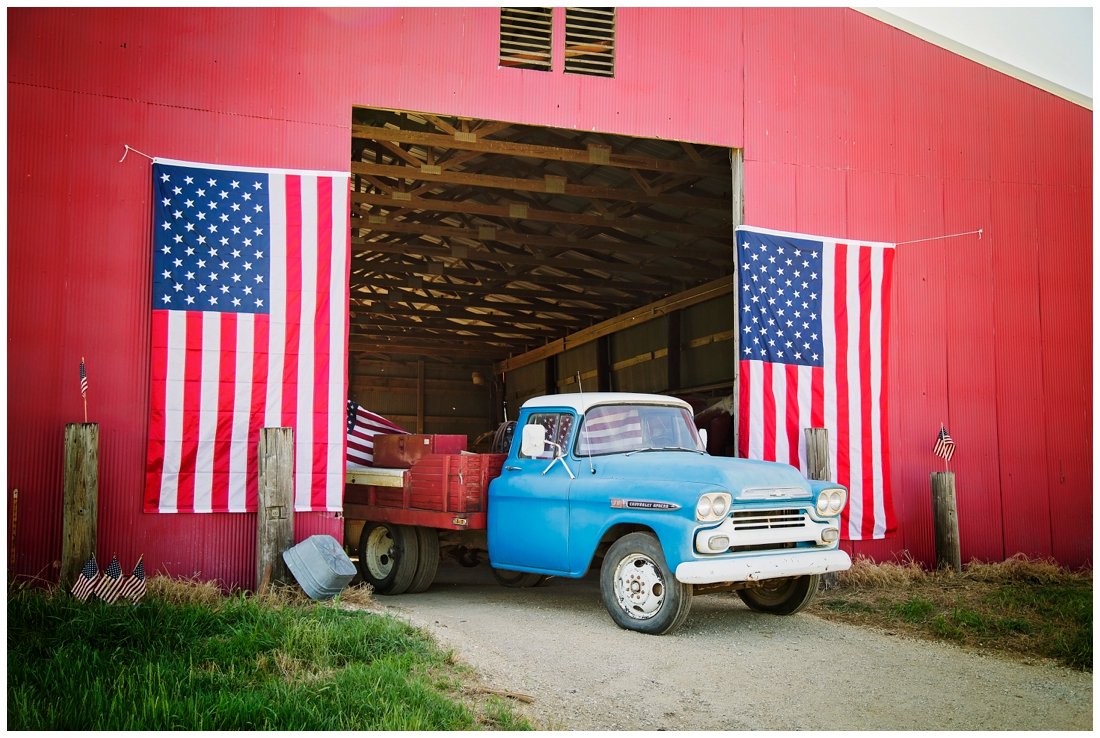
column 402, row 451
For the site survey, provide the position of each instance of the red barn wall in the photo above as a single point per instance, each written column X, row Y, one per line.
column 849, row 127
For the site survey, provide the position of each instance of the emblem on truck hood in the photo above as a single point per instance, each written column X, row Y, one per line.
column 772, row 493
column 620, row 504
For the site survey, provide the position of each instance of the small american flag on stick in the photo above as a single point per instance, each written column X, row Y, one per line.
column 110, row 584
column 84, row 388
column 86, row 582
column 134, row 586
column 945, row 446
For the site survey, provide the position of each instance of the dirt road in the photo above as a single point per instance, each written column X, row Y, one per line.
column 727, row 668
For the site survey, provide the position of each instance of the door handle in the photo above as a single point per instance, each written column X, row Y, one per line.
column 512, row 468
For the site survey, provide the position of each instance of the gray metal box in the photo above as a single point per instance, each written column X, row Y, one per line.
column 320, row 566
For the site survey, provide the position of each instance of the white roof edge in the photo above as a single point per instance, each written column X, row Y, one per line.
column 582, row 401
column 977, row 56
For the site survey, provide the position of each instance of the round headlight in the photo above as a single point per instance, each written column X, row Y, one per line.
column 704, row 509
column 836, row 501
column 720, row 506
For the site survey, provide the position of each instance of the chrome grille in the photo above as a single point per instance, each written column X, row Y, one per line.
column 769, row 519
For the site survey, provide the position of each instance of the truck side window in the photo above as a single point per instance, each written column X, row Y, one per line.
column 557, row 427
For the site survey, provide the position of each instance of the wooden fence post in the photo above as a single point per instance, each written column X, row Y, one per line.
column 946, row 521
column 80, row 500
column 275, row 518
column 817, row 454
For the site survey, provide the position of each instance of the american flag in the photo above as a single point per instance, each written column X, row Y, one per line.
column 86, row 582
column 111, row 582
column 945, row 446
column 609, row 430
column 134, row 586
column 249, row 326
column 363, row 426
column 83, row 379
column 813, row 332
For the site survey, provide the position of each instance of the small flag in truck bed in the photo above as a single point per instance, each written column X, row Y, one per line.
column 363, row 426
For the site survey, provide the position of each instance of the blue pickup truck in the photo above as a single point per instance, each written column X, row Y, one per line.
column 620, row 481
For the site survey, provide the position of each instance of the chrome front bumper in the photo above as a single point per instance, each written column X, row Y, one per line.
column 767, row 566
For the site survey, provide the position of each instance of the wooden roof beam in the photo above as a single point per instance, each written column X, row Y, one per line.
column 551, row 184
column 593, row 154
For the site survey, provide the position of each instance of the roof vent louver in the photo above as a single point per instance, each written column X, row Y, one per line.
column 525, row 38
column 590, row 41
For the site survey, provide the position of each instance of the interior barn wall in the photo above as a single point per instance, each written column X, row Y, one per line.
column 848, row 127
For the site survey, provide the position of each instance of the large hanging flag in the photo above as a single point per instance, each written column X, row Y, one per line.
column 813, row 334
column 249, row 330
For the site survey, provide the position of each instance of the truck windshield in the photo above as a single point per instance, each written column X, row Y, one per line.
column 616, row 429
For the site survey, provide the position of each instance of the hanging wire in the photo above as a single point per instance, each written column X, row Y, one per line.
column 937, row 238
column 129, row 149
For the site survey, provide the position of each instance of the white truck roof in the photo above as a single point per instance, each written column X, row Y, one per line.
column 582, row 401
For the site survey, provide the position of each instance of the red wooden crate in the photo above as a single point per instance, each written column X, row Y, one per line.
column 456, row 483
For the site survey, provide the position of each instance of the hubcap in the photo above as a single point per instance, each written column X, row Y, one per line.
column 639, row 588
column 380, row 553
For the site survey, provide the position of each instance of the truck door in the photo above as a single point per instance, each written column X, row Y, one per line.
column 529, row 503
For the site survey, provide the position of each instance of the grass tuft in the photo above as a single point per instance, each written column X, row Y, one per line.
column 1021, row 607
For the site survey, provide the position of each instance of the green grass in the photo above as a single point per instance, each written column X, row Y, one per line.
column 238, row 664
column 1020, row 607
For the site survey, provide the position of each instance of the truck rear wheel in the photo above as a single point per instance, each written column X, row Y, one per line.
column 427, row 559
column 388, row 556
column 639, row 590
column 518, row 579
column 781, row 596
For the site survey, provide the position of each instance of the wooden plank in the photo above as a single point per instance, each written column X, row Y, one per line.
column 523, row 211
column 694, row 296
column 80, row 500
column 275, row 518
column 549, row 153
column 377, row 477
column 381, row 224
column 564, row 263
column 489, row 181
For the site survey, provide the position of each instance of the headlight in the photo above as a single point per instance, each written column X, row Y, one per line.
column 831, row 501
column 712, row 506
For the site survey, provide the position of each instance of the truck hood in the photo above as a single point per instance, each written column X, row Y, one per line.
column 683, row 467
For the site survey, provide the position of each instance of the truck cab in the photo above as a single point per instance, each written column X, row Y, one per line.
column 623, row 480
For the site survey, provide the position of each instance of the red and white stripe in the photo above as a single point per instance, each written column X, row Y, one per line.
column 847, row 395
column 361, row 437
column 609, row 430
column 219, row 378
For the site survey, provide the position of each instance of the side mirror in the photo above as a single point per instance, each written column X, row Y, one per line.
column 703, row 437
column 533, row 440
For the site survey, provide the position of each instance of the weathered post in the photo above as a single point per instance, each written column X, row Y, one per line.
column 817, row 467
column 817, row 453
column 946, row 521
column 275, row 519
column 80, row 500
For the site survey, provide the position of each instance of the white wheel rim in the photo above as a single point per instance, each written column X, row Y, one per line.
column 379, row 553
column 639, row 587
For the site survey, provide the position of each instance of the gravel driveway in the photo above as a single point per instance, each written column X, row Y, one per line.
column 727, row 668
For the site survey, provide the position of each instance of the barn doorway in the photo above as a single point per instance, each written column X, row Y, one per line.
column 477, row 242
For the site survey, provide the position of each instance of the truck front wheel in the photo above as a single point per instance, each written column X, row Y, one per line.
column 638, row 589
column 388, row 556
column 781, row 596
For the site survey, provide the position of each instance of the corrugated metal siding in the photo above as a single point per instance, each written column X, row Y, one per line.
column 1019, row 382
column 848, row 128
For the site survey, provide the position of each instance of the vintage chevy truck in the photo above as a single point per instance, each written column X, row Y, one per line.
column 618, row 480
